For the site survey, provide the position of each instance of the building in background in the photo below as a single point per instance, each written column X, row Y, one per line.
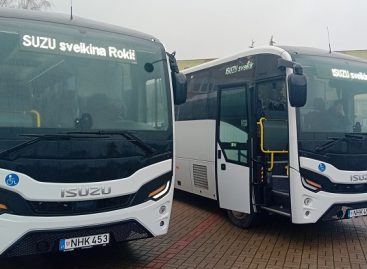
column 358, row 53
column 184, row 64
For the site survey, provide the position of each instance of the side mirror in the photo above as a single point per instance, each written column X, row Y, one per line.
column 297, row 85
column 179, row 83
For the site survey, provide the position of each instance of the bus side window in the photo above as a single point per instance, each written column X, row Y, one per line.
column 156, row 112
column 200, row 95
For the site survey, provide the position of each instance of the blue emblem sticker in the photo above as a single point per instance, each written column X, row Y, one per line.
column 322, row 167
column 12, row 180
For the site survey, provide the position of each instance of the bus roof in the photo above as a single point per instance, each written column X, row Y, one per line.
column 249, row 52
column 76, row 21
column 277, row 50
column 320, row 52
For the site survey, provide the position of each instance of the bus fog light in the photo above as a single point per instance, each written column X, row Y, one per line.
column 307, row 213
column 162, row 209
column 161, row 223
column 307, row 201
column 3, row 208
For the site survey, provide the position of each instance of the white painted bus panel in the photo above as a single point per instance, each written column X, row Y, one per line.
column 233, row 186
column 195, row 148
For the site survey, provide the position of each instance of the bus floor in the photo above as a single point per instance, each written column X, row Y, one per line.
column 200, row 236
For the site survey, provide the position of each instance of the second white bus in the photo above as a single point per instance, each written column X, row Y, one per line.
column 278, row 130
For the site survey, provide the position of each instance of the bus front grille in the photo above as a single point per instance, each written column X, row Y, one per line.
column 80, row 207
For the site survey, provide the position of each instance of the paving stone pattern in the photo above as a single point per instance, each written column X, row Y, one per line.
column 200, row 236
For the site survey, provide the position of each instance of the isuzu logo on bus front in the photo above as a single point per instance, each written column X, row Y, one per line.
column 355, row 178
column 85, row 192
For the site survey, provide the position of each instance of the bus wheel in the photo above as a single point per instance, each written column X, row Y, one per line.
column 240, row 219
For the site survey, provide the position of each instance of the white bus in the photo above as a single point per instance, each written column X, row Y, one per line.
column 86, row 133
column 276, row 130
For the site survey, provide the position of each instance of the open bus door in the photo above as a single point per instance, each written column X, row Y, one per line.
column 271, row 178
column 233, row 153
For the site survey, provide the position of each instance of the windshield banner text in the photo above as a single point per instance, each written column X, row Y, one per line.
column 81, row 48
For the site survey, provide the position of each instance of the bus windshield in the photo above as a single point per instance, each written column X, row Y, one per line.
column 336, row 97
column 56, row 77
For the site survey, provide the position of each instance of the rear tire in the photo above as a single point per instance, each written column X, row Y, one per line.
column 242, row 220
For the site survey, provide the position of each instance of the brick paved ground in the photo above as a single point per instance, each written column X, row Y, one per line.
column 200, row 236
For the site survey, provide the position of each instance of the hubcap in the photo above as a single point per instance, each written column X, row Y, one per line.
column 239, row 215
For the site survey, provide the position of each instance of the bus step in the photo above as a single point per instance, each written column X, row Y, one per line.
column 281, row 198
column 278, row 210
column 280, row 193
column 280, row 184
column 280, row 176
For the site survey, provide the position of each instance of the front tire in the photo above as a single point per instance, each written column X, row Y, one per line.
column 242, row 220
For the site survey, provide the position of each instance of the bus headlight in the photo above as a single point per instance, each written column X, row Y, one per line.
column 310, row 184
column 3, row 208
column 160, row 191
column 153, row 190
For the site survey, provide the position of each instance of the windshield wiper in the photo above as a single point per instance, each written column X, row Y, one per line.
column 40, row 137
column 61, row 136
column 37, row 138
column 358, row 136
column 335, row 140
column 19, row 146
column 129, row 137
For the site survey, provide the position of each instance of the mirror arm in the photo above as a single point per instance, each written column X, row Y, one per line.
column 283, row 64
column 173, row 62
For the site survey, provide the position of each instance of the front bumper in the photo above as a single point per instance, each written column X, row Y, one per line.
column 318, row 205
column 25, row 235
column 38, row 242
column 340, row 211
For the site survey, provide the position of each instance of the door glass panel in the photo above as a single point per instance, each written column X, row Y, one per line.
column 233, row 124
column 272, row 99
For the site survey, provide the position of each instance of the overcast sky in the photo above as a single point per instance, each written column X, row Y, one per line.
column 218, row 28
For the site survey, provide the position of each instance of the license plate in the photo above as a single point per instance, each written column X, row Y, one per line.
column 84, row 242
column 357, row 212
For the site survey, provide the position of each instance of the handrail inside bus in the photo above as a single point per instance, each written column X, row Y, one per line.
column 38, row 117
column 266, row 151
